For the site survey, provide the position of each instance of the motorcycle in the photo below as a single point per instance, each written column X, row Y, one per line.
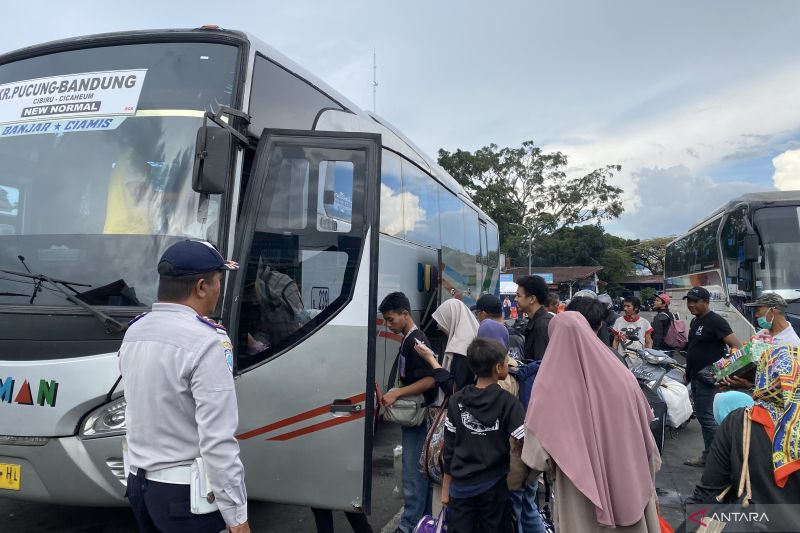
column 661, row 379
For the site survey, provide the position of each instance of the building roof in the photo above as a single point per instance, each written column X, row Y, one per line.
column 643, row 280
column 560, row 274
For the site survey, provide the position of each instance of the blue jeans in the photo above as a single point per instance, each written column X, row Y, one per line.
column 703, row 395
column 525, row 509
column 417, row 489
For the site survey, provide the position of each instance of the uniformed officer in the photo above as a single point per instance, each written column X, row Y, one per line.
column 176, row 368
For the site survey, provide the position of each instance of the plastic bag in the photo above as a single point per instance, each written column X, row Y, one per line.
column 676, row 396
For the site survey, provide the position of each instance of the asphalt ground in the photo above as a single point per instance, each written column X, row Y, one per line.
column 25, row 517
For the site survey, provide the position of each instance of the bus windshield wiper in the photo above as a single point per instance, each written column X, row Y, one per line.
column 59, row 284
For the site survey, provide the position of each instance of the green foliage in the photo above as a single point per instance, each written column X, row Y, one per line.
column 528, row 192
column 586, row 245
column 650, row 253
column 647, row 294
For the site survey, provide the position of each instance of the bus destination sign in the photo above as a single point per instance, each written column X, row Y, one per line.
column 114, row 92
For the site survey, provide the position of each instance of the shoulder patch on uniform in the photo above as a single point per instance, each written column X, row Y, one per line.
column 208, row 322
column 137, row 318
column 229, row 358
column 228, row 349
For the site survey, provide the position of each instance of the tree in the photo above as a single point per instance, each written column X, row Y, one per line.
column 587, row 245
column 531, row 187
column 650, row 253
column 647, row 294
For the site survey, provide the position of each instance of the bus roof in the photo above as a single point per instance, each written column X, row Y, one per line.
column 753, row 199
column 370, row 121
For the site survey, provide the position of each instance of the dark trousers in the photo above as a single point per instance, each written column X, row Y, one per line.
column 461, row 372
column 488, row 512
column 164, row 508
column 324, row 520
column 703, row 395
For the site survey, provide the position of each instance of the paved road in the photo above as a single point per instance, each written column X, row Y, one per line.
column 675, row 482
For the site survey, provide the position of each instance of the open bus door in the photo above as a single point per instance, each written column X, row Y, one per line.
column 303, row 315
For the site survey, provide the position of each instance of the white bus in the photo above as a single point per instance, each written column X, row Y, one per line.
column 115, row 146
column 744, row 249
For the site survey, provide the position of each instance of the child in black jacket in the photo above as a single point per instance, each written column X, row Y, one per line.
column 476, row 455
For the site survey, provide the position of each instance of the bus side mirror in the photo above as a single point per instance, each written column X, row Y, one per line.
column 751, row 250
column 743, row 281
column 212, row 160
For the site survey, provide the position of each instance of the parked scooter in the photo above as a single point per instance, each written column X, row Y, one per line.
column 662, row 381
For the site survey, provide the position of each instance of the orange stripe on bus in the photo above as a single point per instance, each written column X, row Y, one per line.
column 317, row 427
column 296, row 418
column 392, row 336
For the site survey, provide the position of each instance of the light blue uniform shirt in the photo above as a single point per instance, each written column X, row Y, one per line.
column 181, row 402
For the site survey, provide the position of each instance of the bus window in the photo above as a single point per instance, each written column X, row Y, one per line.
column 707, row 251
column 279, row 99
column 779, row 228
column 288, row 205
column 472, row 237
column 737, row 272
column 391, row 195
column 304, row 249
column 494, row 245
column 420, row 206
column 335, row 196
column 452, row 220
column 9, row 210
column 484, row 245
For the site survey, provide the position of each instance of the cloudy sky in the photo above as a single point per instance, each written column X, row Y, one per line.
column 698, row 101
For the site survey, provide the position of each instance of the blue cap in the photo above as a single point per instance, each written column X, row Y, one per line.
column 189, row 258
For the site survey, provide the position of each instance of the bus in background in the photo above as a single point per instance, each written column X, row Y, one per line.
column 740, row 251
column 115, row 146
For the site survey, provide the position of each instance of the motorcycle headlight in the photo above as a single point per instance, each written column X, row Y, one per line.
column 105, row 421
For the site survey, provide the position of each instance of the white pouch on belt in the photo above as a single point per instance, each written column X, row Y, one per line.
column 126, row 465
column 201, row 497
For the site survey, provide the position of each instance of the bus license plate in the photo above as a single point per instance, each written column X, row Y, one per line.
column 9, row 476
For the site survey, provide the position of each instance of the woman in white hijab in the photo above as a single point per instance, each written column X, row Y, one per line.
column 456, row 320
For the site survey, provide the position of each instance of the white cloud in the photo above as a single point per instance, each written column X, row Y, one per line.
column 695, row 136
column 787, row 171
column 672, row 199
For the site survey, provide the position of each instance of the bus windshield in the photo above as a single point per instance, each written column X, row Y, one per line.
column 96, row 154
column 779, row 228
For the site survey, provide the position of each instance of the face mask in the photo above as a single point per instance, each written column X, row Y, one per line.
column 763, row 323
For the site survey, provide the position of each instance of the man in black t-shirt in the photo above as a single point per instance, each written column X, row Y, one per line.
column 531, row 296
column 415, row 376
column 709, row 334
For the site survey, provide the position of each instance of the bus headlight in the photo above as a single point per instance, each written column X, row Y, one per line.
column 105, row 421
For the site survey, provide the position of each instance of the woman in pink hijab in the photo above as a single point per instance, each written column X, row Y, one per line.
column 603, row 463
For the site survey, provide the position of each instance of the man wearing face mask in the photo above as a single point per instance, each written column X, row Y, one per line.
column 771, row 316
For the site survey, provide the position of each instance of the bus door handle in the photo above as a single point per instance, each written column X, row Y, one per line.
column 345, row 407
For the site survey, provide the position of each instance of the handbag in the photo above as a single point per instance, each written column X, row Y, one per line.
column 431, row 463
column 744, row 478
column 408, row 411
column 429, row 524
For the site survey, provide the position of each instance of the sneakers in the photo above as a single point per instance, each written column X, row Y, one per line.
column 699, row 463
